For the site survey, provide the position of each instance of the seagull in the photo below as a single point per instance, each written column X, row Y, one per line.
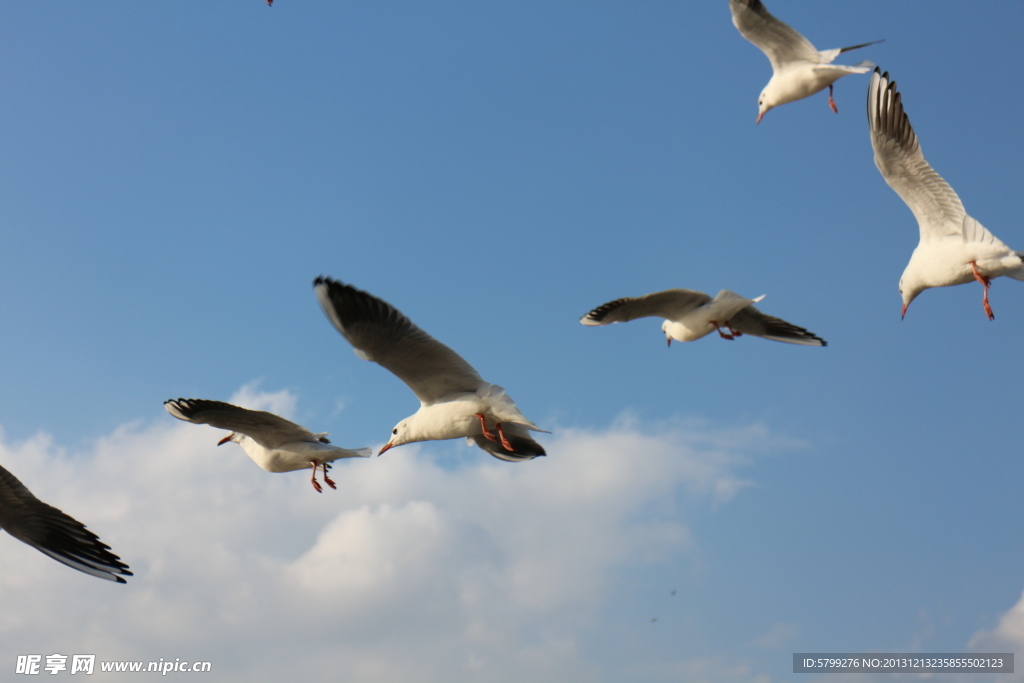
column 954, row 248
column 274, row 443
column 54, row 533
column 798, row 69
column 690, row 315
column 454, row 399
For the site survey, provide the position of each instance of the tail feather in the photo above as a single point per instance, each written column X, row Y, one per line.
column 1018, row 273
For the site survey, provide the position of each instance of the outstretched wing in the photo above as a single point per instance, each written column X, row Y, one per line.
column 898, row 156
column 54, row 533
column 379, row 332
column 672, row 304
column 266, row 429
column 780, row 42
column 755, row 323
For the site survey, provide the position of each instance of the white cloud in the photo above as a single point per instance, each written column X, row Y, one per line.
column 1007, row 636
column 279, row 402
column 415, row 569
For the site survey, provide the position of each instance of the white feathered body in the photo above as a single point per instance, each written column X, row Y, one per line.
column 945, row 265
column 943, row 258
column 797, row 80
column 455, row 416
column 698, row 322
column 296, row 455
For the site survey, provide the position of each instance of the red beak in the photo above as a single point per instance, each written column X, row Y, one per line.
column 903, row 314
column 225, row 439
column 759, row 115
column 386, row 447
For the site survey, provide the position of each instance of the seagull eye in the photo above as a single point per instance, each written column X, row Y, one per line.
column 395, row 430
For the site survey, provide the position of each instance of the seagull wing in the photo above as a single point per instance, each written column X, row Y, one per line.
column 755, row 323
column 524, row 447
column 379, row 332
column 938, row 209
column 780, row 42
column 266, row 429
column 54, row 533
column 672, row 304
column 828, row 55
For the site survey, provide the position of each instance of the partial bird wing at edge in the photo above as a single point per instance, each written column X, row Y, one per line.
column 55, row 533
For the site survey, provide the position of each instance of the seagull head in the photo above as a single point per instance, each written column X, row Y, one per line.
column 763, row 105
column 909, row 289
column 399, row 435
column 668, row 335
column 775, row 93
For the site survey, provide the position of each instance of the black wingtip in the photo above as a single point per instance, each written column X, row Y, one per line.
column 857, row 47
column 186, row 406
column 72, row 544
column 598, row 315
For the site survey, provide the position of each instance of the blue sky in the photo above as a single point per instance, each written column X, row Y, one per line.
column 174, row 176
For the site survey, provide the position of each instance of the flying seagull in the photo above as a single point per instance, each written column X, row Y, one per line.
column 454, row 399
column 54, row 533
column 690, row 315
column 274, row 443
column 954, row 248
column 798, row 69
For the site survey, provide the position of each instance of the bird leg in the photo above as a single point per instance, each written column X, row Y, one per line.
column 986, row 283
column 483, row 425
column 504, row 441
column 723, row 335
column 831, row 102
column 316, row 484
column 733, row 332
column 327, row 480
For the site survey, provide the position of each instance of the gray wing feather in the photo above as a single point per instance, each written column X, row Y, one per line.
column 266, row 429
column 755, row 323
column 672, row 304
column 54, row 533
column 899, row 159
column 779, row 41
column 379, row 332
